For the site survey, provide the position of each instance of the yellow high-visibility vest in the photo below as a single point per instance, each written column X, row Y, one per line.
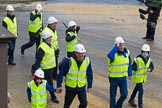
column 49, row 60
column 54, row 37
column 71, row 45
column 35, row 25
column 119, row 67
column 140, row 76
column 77, row 77
column 11, row 25
column 38, row 94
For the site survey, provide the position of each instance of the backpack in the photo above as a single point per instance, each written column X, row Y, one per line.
column 61, row 62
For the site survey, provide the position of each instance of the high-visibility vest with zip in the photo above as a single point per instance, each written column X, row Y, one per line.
column 140, row 76
column 38, row 94
column 77, row 77
column 71, row 45
column 119, row 67
column 54, row 37
column 11, row 25
column 49, row 60
column 35, row 25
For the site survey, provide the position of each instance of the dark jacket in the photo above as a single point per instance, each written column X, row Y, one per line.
column 39, row 57
column 153, row 16
column 134, row 65
column 64, row 68
column 69, row 38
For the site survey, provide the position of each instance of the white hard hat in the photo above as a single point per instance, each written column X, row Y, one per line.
column 71, row 23
column 52, row 20
column 9, row 8
column 46, row 34
column 145, row 47
column 79, row 48
column 119, row 40
column 39, row 73
column 38, row 7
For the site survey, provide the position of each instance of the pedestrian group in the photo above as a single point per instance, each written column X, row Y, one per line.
column 76, row 67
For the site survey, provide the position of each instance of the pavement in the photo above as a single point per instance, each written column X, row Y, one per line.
column 100, row 24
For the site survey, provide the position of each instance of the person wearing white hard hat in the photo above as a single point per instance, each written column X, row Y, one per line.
column 142, row 64
column 35, row 28
column 71, row 37
column 36, row 97
column 45, row 59
column 78, row 77
column 51, row 27
column 10, row 23
column 119, row 67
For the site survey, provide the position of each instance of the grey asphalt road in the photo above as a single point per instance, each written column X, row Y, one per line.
column 98, row 31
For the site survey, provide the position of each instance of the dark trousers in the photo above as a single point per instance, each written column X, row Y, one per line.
column 150, row 33
column 55, row 69
column 138, row 88
column 151, row 30
column 114, row 84
column 11, row 48
column 70, row 95
column 33, row 38
column 48, row 76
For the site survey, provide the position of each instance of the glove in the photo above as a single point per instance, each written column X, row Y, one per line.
column 57, row 52
column 142, row 16
column 32, row 72
column 142, row 11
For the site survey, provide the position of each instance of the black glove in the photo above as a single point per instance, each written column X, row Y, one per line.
column 142, row 16
column 142, row 11
column 57, row 52
column 32, row 72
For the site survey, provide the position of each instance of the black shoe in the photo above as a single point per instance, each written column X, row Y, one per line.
column 145, row 38
column 55, row 100
column 150, row 39
column 12, row 63
column 22, row 51
column 132, row 103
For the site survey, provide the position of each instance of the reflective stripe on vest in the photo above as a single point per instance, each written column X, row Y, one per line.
column 70, row 45
column 11, row 25
column 140, row 76
column 38, row 94
column 35, row 25
column 54, row 37
column 119, row 67
column 49, row 60
column 77, row 77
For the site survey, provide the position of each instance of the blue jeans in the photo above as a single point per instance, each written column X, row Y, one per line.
column 114, row 84
column 138, row 88
column 11, row 48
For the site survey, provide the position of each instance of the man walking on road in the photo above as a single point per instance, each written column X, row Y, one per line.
column 119, row 67
column 10, row 23
column 77, row 71
column 51, row 27
column 35, row 27
column 45, row 59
